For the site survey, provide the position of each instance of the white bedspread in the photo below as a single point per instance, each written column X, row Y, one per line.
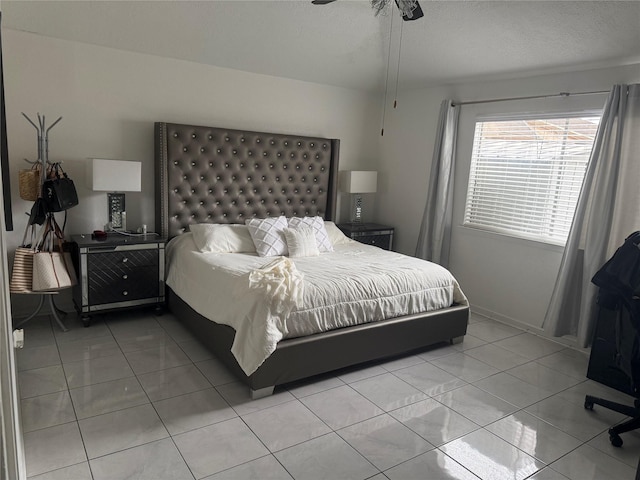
column 354, row 284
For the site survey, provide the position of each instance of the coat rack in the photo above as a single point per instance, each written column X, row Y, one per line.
column 43, row 158
column 43, row 142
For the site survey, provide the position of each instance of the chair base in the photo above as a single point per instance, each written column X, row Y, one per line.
column 614, row 432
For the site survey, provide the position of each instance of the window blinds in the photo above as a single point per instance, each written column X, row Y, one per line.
column 526, row 175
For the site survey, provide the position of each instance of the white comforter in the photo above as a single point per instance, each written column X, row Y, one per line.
column 354, row 284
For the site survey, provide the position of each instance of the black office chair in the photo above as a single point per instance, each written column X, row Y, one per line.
column 615, row 351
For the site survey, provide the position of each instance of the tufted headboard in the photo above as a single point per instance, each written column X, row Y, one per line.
column 218, row 175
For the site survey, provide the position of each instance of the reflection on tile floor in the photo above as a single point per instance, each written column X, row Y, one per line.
column 136, row 396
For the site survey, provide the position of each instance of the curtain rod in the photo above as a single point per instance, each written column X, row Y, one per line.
column 561, row 94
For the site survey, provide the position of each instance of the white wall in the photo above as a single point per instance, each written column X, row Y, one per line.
column 504, row 278
column 109, row 100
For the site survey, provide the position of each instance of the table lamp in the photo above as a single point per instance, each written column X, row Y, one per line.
column 116, row 177
column 356, row 183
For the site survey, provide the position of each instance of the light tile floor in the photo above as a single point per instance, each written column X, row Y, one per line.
column 136, row 396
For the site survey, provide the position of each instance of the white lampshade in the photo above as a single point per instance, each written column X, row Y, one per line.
column 115, row 175
column 356, row 181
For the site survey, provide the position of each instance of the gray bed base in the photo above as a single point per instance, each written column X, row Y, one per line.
column 218, row 175
column 304, row 357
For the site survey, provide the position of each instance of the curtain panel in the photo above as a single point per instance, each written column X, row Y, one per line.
column 606, row 213
column 434, row 241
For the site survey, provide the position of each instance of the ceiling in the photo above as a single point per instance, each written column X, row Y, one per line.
column 344, row 44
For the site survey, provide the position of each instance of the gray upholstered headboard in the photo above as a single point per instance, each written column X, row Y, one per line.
column 217, row 175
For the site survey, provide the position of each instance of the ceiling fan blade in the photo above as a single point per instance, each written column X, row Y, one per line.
column 415, row 14
column 322, row 2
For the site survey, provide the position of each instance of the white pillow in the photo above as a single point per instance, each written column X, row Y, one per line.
column 336, row 236
column 322, row 237
column 301, row 241
column 267, row 235
column 217, row 238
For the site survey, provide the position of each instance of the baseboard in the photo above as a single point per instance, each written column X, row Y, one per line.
column 568, row 341
column 498, row 317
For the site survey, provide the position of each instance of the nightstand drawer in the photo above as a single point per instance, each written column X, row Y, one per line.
column 123, row 285
column 120, row 276
column 122, row 260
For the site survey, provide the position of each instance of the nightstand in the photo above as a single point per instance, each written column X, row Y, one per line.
column 118, row 272
column 369, row 233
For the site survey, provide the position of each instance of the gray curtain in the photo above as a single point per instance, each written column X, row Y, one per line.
column 606, row 213
column 435, row 231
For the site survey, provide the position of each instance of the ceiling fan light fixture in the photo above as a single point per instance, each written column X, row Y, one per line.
column 410, row 9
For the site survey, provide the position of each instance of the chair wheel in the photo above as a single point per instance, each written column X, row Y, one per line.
column 588, row 405
column 615, row 440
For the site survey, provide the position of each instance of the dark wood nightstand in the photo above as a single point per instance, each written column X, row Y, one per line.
column 369, row 233
column 118, row 272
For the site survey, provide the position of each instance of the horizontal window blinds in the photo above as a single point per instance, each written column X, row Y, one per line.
column 526, row 175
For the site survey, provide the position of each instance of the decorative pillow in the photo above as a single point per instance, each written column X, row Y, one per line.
column 217, row 238
column 322, row 237
column 267, row 235
column 336, row 236
column 301, row 241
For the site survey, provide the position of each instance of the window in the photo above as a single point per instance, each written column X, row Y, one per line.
column 526, row 174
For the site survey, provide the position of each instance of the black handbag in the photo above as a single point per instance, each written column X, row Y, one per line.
column 59, row 193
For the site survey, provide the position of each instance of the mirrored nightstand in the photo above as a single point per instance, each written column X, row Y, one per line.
column 369, row 233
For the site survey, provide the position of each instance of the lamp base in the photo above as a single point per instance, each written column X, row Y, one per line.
column 117, row 213
column 356, row 208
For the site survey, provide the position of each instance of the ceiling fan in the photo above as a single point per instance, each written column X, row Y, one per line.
column 410, row 8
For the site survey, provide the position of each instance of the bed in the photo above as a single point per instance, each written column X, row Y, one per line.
column 225, row 176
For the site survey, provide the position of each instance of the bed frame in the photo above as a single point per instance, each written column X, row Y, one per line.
column 217, row 175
